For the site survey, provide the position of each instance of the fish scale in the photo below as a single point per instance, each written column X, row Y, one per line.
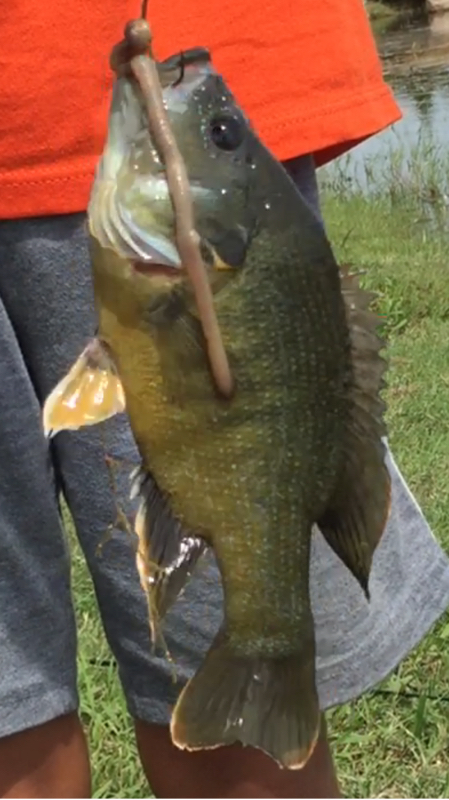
column 298, row 444
column 270, row 414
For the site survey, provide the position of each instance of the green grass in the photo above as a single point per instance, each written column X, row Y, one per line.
column 394, row 741
column 115, row 765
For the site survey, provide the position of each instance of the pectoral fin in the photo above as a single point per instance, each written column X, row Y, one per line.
column 357, row 515
column 90, row 393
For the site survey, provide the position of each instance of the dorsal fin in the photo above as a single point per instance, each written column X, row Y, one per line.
column 356, row 517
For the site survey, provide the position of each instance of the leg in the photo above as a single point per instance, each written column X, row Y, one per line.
column 230, row 772
column 42, row 747
column 82, row 464
column 50, row 760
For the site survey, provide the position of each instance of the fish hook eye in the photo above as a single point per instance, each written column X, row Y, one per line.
column 182, row 69
column 178, row 63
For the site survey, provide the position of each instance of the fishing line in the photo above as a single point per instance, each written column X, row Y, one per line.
column 107, row 663
column 411, row 695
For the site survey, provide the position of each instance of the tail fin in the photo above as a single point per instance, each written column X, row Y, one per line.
column 267, row 703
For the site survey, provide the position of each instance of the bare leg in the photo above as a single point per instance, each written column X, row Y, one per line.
column 230, row 771
column 51, row 760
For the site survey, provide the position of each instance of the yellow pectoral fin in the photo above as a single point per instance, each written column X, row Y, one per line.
column 220, row 264
column 90, row 393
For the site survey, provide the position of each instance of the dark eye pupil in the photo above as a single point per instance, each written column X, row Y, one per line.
column 227, row 132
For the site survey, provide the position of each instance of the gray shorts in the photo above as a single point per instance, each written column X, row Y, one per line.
column 46, row 318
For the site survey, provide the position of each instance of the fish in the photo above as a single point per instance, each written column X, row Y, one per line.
column 297, row 447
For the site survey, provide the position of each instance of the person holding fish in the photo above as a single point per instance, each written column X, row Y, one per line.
column 239, row 478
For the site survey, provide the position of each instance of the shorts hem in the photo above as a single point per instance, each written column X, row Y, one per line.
column 335, row 686
column 34, row 713
column 148, row 709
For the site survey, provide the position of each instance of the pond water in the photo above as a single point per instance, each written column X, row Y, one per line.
column 415, row 54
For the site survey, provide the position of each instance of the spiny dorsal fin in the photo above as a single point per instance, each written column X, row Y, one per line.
column 357, row 515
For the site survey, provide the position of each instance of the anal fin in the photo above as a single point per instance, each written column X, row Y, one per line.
column 91, row 392
column 166, row 553
column 358, row 512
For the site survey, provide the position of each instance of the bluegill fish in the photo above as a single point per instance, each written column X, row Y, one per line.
column 298, row 444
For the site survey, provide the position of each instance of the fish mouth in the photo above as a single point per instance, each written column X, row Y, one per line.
column 130, row 209
column 151, row 269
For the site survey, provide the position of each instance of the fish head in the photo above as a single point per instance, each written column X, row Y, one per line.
column 130, row 210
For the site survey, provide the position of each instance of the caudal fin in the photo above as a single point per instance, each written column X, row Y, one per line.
column 267, row 703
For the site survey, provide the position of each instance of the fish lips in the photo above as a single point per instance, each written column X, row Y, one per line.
column 153, row 269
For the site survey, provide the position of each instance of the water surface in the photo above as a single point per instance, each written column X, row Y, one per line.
column 415, row 55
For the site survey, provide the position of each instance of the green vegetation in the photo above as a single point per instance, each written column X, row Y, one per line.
column 378, row 10
column 394, row 741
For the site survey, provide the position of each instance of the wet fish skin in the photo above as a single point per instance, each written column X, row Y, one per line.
column 298, row 444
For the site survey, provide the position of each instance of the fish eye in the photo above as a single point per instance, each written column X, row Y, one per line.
column 227, row 131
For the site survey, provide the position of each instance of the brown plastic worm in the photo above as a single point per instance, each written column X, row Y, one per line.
column 136, row 44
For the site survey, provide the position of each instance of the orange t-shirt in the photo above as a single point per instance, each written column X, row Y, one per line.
column 306, row 72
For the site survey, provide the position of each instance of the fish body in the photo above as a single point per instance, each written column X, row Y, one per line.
column 297, row 444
